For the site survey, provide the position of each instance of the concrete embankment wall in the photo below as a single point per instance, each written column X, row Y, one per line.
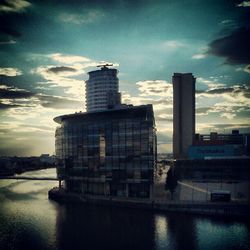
column 230, row 209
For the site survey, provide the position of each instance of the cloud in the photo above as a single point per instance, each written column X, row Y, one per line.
column 228, row 115
column 66, row 77
column 164, row 117
column 234, row 93
column 68, row 59
column 247, row 69
column 202, row 111
column 39, row 135
column 199, row 56
column 244, row 4
column 222, row 127
column 226, row 101
column 12, row 97
column 10, row 72
column 91, row 16
column 14, row 93
column 172, row 44
column 57, row 102
column 156, row 92
column 233, row 47
column 211, row 84
column 155, row 88
column 7, row 106
column 61, row 69
column 228, row 23
column 219, row 90
column 71, row 86
column 13, row 5
column 4, row 42
column 10, row 32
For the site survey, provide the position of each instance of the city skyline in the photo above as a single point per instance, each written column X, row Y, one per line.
column 47, row 49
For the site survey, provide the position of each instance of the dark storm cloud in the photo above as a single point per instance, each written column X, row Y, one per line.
column 10, row 93
column 234, row 47
column 216, row 91
column 7, row 34
column 10, row 32
column 220, row 90
column 13, row 5
column 57, row 70
column 7, row 106
column 9, row 27
column 244, row 89
column 247, row 69
column 47, row 101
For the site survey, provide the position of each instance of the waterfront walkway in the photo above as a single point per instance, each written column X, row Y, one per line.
column 229, row 209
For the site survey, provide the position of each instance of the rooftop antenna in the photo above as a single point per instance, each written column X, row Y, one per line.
column 105, row 65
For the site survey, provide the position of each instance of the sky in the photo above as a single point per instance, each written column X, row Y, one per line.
column 47, row 48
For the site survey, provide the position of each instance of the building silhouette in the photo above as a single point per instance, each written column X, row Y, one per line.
column 183, row 114
column 111, row 148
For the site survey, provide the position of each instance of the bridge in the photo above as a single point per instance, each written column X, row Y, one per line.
column 28, row 178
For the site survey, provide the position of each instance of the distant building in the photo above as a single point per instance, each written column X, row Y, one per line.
column 216, row 145
column 215, row 162
column 183, row 114
column 110, row 149
column 46, row 158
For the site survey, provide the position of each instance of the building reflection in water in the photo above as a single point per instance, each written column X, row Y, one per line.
column 175, row 231
column 88, row 227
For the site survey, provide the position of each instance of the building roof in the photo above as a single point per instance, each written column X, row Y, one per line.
column 123, row 112
column 100, row 71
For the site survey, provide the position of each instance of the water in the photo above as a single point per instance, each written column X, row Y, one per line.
column 28, row 220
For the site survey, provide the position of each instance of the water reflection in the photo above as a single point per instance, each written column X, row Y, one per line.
column 28, row 220
column 91, row 227
column 223, row 234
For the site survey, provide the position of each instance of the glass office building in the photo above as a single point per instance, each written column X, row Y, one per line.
column 111, row 152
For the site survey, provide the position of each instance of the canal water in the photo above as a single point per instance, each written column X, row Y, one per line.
column 28, row 220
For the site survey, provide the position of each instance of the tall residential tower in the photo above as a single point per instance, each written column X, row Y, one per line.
column 184, row 114
column 102, row 89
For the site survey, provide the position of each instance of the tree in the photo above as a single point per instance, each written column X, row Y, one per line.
column 171, row 182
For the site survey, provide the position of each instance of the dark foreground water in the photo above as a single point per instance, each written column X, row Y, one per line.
column 28, row 220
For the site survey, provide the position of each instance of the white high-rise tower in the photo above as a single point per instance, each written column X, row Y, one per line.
column 102, row 89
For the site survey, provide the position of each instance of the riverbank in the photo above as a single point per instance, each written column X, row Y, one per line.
column 225, row 209
column 10, row 166
column 23, row 170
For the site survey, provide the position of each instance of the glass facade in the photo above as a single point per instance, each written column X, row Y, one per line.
column 109, row 152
